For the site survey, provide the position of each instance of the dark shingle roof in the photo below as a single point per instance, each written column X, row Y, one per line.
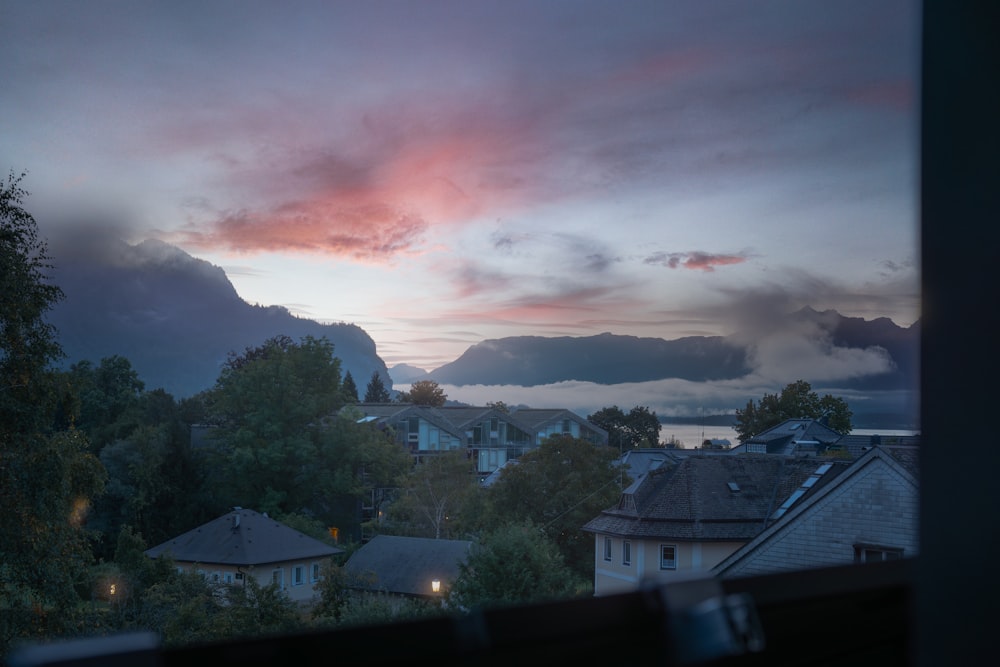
column 781, row 438
column 406, row 565
column 243, row 537
column 711, row 497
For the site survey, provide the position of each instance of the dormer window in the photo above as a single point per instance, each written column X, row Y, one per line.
column 874, row 553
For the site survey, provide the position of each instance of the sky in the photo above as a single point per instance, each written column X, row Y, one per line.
column 445, row 172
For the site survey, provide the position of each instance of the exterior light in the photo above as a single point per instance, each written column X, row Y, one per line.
column 436, row 585
column 112, row 589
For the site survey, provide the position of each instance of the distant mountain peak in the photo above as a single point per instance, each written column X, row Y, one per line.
column 175, row 317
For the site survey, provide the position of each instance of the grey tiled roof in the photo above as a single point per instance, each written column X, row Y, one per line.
column 781, row 438
column 243, row 537
column 406, row 565
column 692, row 500
column 857, row 445
column 460, row 419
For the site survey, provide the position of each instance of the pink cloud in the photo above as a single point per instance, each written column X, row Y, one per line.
column 363, row 232
column 377, row 193
column 695, row 260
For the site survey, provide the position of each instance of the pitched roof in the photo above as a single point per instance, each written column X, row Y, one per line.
column 406, row 565
column 783, row 438
column 905, row 468
column 857, row 445
column 243, row 537
column 707, row 497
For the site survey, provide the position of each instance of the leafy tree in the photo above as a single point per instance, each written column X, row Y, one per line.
column 350, row 388
column 643, row 427
column 796, row 401
column 639, row 428
column 355, row 463
column 499, row 405
column 515, row 564
column 108, row 397
column 434, row 494
column 376, row 392
column 269, row 405
column 559, row 487
column 424, row 392
column 612, row 420
column 48, row 477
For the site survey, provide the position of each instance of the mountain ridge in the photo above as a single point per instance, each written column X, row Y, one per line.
column 177, row 318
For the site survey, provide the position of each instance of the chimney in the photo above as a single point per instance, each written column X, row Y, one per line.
column 236, row 518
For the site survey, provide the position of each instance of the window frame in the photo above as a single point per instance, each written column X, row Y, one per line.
column 608, row 553
column 626, row 553
column 863, row 553
column 672, row 563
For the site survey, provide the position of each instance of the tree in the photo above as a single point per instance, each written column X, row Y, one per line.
column 376, row 392
column 515, row 564
column 48, row 476
column 424, row 392
column 434, row 494
column 350, row 388
column 796, row 401
column 108, row 396
column 269, row 406
column 559, row 487
column 639, row 428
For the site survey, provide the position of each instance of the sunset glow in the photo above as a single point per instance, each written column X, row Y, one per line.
column 449, row 172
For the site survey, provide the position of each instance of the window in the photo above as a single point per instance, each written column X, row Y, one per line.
column 607, row 548
column 668, row 557
column 298, row 575
column 315, row 572
column 228, row 578
column 626, row 553
column 870, row 553
column 278, row 578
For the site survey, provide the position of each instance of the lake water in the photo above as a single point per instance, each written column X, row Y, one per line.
column 692, row 435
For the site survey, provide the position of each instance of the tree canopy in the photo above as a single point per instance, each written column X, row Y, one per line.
column 639, row 428
column 513, row 564
column 796, row 401
column 434, row 495
column 424, row 392
column 48, row 476
column 559, row 487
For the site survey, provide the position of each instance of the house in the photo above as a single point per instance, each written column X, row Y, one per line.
column 687, row 516
column 244, row 543
column 407, row 566
column 869, row 512
column 489, row 435
column 793, row 436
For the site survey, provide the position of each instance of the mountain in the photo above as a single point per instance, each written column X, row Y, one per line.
column 602, row 359
column 176, row 318
column 406, row 374
column 612, row 359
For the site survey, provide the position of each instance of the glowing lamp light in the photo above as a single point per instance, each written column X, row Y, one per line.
column 113, row 589
column 436, row 585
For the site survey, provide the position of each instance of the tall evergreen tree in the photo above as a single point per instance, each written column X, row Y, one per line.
column 350, row 388
column 376, row 391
